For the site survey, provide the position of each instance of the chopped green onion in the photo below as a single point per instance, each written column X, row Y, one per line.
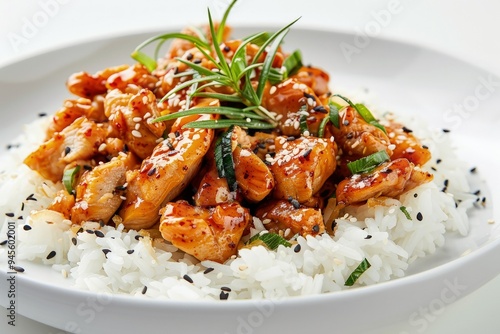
column 69, row 178
column 407, row 214
column 364, row 112
column 322, row 125
column 368, row 163
column 293, row 63
column 228, row 111
column 363, row 266
column 272, row 240
column 334, row 113
column 144, row 59
column 225, row 123
column 224, row 159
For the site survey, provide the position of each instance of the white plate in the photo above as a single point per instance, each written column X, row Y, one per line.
column 406, row 78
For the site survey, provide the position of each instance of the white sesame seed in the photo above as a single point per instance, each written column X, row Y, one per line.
column 273, row 90
column 391, row 147
column 102, row 147
column 137, row 119
column 136, row 134
column 147, row 115
column 196, row 136
column 137, row 126
column 213, row 103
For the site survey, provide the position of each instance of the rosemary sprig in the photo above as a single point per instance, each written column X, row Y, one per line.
column 236, row 73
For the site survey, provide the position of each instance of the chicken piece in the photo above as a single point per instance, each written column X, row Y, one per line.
column 79, row 141
column 406, row 144
column 71, row 110
column 313, row 77
column 63, row 203
column 97, row 194
column 390, row 179
column 129, row 116
column 207, row 234
column 254, row 178
column 136, row 75
column 213, row 190
column 87, row 85
column 358, row 138
column 301, row 166
column 291, row 218
column 164, row 174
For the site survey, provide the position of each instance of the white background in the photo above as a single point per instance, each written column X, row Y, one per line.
column 466, row 29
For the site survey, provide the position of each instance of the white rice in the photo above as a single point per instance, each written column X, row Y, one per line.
column 383, row 235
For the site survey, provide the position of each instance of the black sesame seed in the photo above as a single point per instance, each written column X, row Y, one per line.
column 99, row 234
column 67, row 149
column 120, row 188
column 73, row 240
column 225, row 288
column 10, row 214
column 425, row 147
column 144, row 290
column 434, row 169
column 80, row 230
column 42, row 114
column 106, row 251
column 90, row 231
column 315, row 228
column 189, row 56
column 369, row 236
column 18, row 269
column 197, row 61
column 309, row 96
column 187, row 278
column 224, row 295
column 101, row 223
column 130, row 251
column 227, row 48
column 438, row 161
column 446, row 182
column 350, row 135
column 405, row 129
column 87, row 167
column 483, row 200
column 473, row 170
column 477, row 192
column 152, row 171
column 419, row 216
column 138, row 237
column 20, row 218
column 306, row 153
column 125, row 148
column 446, row 130
column 320, row 109
column 456, row 205
column 291, row 138
column 170, row 146
column 22, row 206
column 297, row 248
column 294, row 202
column 31, row 198
column 51, row 255
column 208, row 270
column 415, row 195
column 26, row 227
column 3, row 243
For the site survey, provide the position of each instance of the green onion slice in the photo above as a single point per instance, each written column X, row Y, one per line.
column 293, row 63
column 334, row 113
column 366, row 164
column 363, row 266
column 364, row 112
column 407, row 214
column 224, row 159
column 69, row 178
column 303, row 120
column 272, row 240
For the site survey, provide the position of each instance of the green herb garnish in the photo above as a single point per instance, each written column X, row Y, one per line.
column 368, row 163
column 364, row 112
column 68, row 179
column 235, row 74
column 224, row 159
column 363, row 266
column 407, row 214
column 272, row 240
